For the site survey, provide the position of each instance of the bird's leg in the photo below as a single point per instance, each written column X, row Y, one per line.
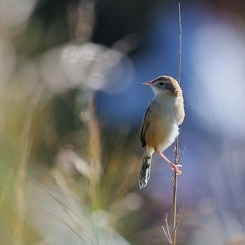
column 175, row 167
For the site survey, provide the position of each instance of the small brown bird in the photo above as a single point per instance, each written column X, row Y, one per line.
column 159, row 127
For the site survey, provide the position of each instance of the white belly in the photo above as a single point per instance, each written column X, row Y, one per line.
column 163, row 128
column 171, row 135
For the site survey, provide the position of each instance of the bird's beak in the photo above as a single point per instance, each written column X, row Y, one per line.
column 147, row 83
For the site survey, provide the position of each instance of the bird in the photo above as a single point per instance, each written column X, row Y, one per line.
column 160, row 124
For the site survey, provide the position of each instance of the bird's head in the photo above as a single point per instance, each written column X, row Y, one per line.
column 165, row 85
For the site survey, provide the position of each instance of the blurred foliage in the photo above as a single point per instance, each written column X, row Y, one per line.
column 64, row 180
column 66, row 176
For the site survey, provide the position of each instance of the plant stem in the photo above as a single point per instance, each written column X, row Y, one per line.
column 175, row 187
column 180, row 43
column 21, row 174
column 176, row 151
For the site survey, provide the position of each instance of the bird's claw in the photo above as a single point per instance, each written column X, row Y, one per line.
column 176, row 167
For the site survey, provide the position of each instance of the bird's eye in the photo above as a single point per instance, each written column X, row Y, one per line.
column 161, row 83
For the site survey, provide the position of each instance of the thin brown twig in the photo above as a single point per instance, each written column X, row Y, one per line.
column 180, row 43
column 176, row 148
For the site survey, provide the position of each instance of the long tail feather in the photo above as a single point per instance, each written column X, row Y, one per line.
column 144, row 174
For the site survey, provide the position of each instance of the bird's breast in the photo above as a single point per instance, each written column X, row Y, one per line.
column 163, row 127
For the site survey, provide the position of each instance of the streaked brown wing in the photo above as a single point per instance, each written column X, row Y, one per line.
column 145, row 124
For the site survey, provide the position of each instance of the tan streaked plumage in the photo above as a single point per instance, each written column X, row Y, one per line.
column 159, row 127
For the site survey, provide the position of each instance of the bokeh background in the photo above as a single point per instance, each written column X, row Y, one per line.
column 72, row 102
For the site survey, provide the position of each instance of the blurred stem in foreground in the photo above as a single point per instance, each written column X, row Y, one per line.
column 25, row 145
column 94, row 150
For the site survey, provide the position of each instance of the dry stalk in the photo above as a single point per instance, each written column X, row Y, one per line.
column 176, row 148
column 94, row 150
column 21, row 174
column 177, row 158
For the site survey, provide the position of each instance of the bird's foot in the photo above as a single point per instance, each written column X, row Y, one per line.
column 176, row 167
